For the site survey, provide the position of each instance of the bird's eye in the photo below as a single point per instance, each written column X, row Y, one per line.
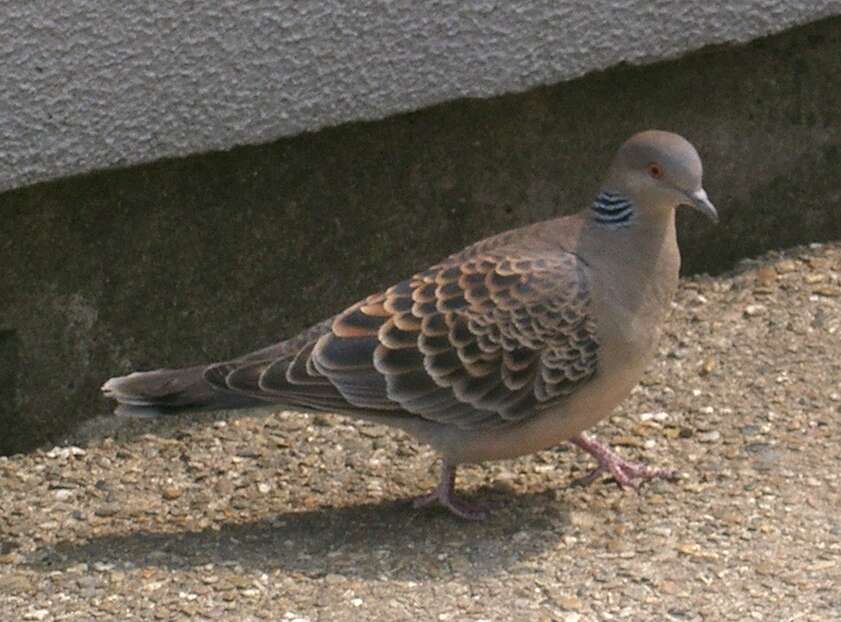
column 654, row 170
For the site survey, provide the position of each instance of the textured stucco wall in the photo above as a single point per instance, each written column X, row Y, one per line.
column 96, row 83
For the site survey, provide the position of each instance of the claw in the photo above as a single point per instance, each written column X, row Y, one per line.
column 626, row 473
column 444, row 495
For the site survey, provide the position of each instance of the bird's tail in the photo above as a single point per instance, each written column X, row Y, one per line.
column 169, row 391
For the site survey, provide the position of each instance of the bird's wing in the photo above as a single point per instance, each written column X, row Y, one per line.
column 482, row 339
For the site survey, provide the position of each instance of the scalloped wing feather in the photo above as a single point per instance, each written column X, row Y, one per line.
column 486, row 338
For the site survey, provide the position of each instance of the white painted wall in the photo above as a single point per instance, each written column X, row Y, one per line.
column 95, row 83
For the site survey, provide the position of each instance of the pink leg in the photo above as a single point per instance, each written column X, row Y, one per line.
column 444, row 494
column 625, row 473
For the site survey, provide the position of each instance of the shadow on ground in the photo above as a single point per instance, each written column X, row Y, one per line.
column 364, row 541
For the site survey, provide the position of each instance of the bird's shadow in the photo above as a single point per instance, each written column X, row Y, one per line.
column 372, row 540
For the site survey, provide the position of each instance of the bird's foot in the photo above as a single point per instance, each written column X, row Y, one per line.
column 626, row 473
column 444, row 495
column 454, row 504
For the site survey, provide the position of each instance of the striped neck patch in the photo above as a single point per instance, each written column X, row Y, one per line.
column 613, row 210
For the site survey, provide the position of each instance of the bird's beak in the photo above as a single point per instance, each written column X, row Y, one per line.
column 701, row 202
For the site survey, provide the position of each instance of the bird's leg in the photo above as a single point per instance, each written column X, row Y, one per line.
column 625, row 472
column 444, row 494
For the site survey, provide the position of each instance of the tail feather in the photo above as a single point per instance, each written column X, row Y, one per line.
column 168, row 391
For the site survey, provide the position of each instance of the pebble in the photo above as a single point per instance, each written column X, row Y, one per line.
column 373, row 431
column 693, row 549
column 755, row 310
column 660, row 416
column 822, row 565
column 766, row 275
column 65, row 452
column 581, row 519
column 713, row 436
column 16, row 583
column 104, row 511
column 572, row 603
column 668, row 587
column 785, row 266
column 170, row 493
column 78, row 568
column 626, row 441
column 708, row 366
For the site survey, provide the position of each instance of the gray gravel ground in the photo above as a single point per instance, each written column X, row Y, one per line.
column 296, row 517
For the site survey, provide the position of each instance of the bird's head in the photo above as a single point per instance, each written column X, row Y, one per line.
column 660, row 171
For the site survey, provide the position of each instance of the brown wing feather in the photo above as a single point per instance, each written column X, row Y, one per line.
column 487, row 337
